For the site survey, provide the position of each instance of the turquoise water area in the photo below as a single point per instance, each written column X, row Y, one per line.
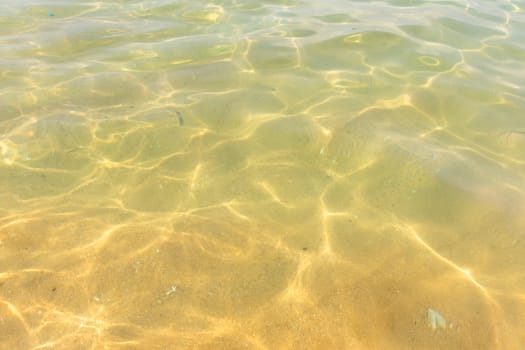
column 274, row 174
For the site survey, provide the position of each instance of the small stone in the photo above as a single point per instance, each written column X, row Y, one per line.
column 435, row 320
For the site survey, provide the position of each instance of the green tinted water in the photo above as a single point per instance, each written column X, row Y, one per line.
column 262, row 175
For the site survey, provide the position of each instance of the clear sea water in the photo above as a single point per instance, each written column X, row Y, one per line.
column 273, row 174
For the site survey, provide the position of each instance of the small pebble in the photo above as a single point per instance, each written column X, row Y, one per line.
column 436, row 320
column 179, row 117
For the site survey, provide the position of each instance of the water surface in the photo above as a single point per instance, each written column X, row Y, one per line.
column 276, row 174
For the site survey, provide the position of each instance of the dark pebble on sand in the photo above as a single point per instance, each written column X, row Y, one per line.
column 180, row 118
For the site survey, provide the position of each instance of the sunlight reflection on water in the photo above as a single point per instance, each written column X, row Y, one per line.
column 262, row 174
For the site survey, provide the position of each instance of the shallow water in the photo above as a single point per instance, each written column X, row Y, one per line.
column 262, row 174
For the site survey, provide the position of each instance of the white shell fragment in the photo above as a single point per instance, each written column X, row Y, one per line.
column 172, row 290
column 435, row 320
